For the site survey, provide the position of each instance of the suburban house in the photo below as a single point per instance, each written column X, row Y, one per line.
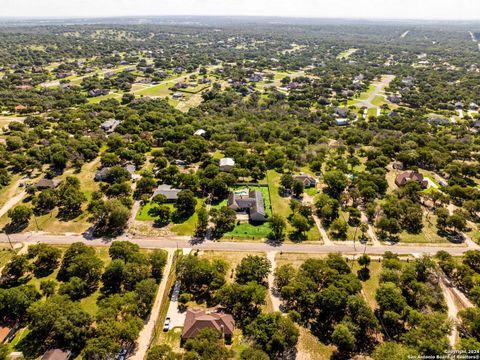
column 101, row 175
column 341, row 122
column 438, row 120
column 394, row 99
column 166, row 190
column 226, row 164
column 404, row 177
column 57, row 354
column 341, row 112
column 307, row 180
column 47, row 184
column 177, row 96
column 98, row 92
column 398, row 165
column 250, row 201
column 199, row 319
column 473, row 106
column 109, row 126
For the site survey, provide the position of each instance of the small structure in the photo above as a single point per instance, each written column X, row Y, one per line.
column 166, row 190
column 198, row 319
column 47, row 184
column 226, row 164
column 7, row 333
column 398, row 165
column 394, row 99
column 341, row 122
column 16, row 355
column 438, row 120
column 307, row 180
column 341, row 112
column 177, row 96
column 109, row 126
column 459, row 105
column 98, row 92
column 200, row 132
column 57, row 354
column 20, row 108
column 250, row 201
column 404, row 177
column 473, row 106
column 101, row 174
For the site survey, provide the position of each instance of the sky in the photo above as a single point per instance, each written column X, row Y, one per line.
column 364, row 9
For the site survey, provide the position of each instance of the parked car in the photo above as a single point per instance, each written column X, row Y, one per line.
column 166, row 324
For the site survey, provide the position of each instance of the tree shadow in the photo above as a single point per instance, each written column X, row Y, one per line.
column 297, row 237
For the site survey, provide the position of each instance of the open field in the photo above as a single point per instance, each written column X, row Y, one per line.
column 346, row 54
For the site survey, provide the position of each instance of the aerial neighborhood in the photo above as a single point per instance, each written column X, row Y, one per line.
column 214, row 188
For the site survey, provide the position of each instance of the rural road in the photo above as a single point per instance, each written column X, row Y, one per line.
column 185, row 242
column 12, row 202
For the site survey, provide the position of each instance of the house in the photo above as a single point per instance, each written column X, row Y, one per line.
column 177, row 96
column 109, row 126
column 226, row 164
column 307, row 180
column 404, row 177
column 101, row 174
column 200, row 132
column 341, row 122
column 98, row 92
column 341, row 112
column 205, row 81
column 459, row 105
column 256, row 78
column 198, row 319
column 250, row 201
column 181, row 85
column 438, row 120
column 394, row 99
column 130, row 169
column 7, row 333
column 47, row 184
column 166, row 190
column 473, row 106
column 20, row 108
column 57, row 354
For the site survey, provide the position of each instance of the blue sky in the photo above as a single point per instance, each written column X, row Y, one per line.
column 389, row 9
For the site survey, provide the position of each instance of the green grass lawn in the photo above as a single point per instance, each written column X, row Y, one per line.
column 6, row 254
column 428, row 233
column 156, row 90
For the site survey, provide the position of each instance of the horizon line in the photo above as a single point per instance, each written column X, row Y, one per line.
column 76, row 17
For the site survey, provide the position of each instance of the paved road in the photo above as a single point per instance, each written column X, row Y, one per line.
column 184, row 242
column 386, row 80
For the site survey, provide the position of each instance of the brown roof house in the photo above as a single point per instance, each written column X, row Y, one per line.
column 47, row 184
column 250, row 201
column 307, row 180
column 7, row 333
column 198, row 319
column 57, row 354
column 402, row 179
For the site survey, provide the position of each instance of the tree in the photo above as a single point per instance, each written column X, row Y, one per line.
column 394, row 350
column 297, row 188
column 273, row 333
column 339, row 228
column 300, row 223
column 336, row 182
column 388, row 226
column 82, row 262
column 125, row 251
column 15, row 301
column 457, row 222
column 243, row 301
column 16, row 268
column 161, row 213
column 202, row 222
column 46, row 258
column 253, row 354
column 286, row 181
column 158, row 260
column 207, row 345
column 70, row 198
column 284, row 274
column 343, row 338
column 48, row 287
column 186, row 203
column 252, row 268
column 162, row 352
column 327, row 208
column 45, row 201
column 57, row 321
column 278, row 226
column 223, row 219
column 20, row 215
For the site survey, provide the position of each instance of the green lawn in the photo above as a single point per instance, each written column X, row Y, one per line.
column 156, row 90
column 427, row 235
column 6, row 253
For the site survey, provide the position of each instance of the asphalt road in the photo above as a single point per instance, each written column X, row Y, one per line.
column 184, row 242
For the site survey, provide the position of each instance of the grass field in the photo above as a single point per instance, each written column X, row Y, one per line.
column 346, row 54
column 369, row 287
column 6, row 254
